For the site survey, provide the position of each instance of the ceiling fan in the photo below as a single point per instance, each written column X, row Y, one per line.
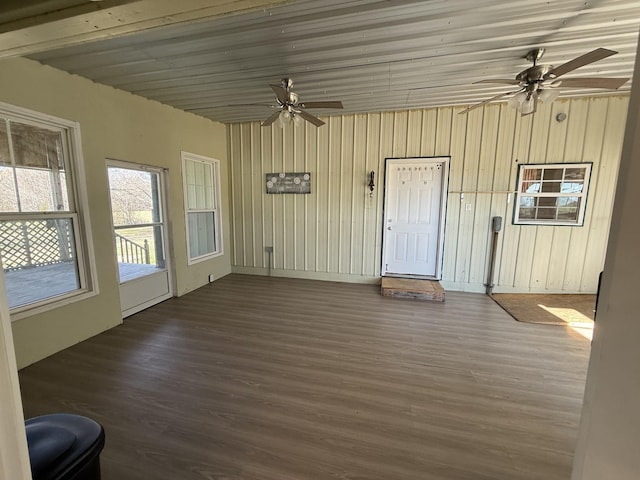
column 291, row 108
column 541, row 82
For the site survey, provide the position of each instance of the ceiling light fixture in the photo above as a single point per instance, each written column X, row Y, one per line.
column 526, row 101
column 288, row 116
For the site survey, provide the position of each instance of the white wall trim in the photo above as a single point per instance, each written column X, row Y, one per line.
column 327, row 277
column 14, row 455
column 219, row 233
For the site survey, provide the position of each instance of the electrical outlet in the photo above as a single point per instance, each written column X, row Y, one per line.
column 268, row 249
column 468, row 207
column 211, row 278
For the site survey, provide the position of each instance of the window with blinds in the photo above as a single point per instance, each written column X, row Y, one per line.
column 201, row 190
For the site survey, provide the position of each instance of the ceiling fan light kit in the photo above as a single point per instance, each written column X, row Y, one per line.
column 287, row 116
column 548, row 95
column 540, row 82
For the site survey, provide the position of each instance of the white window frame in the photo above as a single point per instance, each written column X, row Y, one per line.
column 79, row 214
column 587, row 166
column 215, row 195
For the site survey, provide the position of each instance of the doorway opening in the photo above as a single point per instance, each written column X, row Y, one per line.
column 139, row 232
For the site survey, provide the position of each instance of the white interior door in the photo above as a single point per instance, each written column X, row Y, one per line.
column 138, row 213
column 414, row 209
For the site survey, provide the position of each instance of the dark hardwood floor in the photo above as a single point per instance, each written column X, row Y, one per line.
column 283, row 379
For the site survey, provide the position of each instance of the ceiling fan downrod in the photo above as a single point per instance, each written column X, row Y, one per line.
column 534, row 55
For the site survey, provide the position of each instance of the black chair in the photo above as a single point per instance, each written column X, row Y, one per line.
column 63, row 446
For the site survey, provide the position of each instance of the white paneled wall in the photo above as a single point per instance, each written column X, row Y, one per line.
column 334, row 233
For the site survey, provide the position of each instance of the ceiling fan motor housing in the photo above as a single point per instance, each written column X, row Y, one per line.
column 292, row 98
column 535, row 74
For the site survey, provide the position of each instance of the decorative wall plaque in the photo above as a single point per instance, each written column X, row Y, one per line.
column 289, row 182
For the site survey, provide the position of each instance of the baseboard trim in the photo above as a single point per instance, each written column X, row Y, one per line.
column 324, row 276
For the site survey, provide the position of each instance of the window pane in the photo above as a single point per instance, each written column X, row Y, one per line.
column 545, row 213
column 568, row 201
column 36, row 147
column 35, row 189
column 200, row 197
column 40, row 189
column 140, row 251
column 546, row 201
column 568, row 213
column 527, row 201
column 191, row 197
column 575, row 173
column 572, row 187
column 551, row 187
column 201, row 233
column 8, row 198
column 527, row 213
column 553, row 173
column 39, row 259
column 4, row 144
column 63, row 187
column 530, row 174
column 530, row 187
column 199, row 184
column 134, row 196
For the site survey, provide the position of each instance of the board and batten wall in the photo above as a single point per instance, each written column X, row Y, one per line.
column 335, row 233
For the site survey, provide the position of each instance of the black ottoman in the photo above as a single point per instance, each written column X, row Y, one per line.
column 64, row 447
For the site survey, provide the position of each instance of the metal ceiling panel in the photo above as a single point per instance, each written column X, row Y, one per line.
column 373, row 55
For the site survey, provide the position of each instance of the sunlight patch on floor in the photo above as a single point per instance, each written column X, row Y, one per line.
column 575, row 320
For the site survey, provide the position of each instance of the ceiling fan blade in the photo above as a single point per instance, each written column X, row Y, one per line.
column 504, row 81
column 592, row 82
column 329, row 104
column 281, row 93
column 252, row 105
column 593, row 56
column 488, row 100
column 272, row 118
column 310, row 118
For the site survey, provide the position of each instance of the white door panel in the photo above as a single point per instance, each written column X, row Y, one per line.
column 414, row 216
column 143, row 292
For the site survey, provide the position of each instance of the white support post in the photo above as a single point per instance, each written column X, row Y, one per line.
column 609, row 435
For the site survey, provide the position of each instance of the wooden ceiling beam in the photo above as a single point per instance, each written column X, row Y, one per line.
column 66, row 23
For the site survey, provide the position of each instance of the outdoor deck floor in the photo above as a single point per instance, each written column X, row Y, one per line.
column 23, row 287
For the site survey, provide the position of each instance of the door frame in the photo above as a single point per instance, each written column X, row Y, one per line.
column 445, row 160
column 166, row 238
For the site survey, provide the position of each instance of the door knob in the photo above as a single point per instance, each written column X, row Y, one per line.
column 388, row 228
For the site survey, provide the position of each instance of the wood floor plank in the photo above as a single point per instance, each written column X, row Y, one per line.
column 273, row 378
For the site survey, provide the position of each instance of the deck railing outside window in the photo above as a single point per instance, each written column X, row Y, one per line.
column 129, row 251
column 36, row 243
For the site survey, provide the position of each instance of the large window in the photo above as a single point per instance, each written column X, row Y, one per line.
column 201, row 190
column 42, row 240
column 552, row 194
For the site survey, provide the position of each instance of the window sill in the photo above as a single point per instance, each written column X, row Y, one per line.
column 204, row 258
column 26, row 311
